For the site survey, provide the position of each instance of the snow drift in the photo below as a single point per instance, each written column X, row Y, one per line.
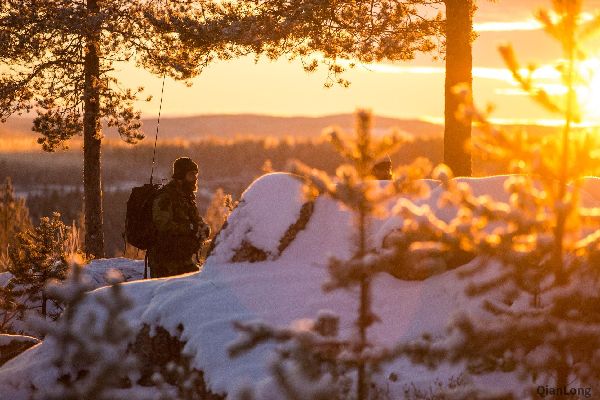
column 281, row 289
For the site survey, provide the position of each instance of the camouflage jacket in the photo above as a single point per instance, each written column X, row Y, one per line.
column 180, row 228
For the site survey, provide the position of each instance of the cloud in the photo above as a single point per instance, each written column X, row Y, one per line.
column 545, row 72
column 513, row 26
column 550, row 122
column 508, row 26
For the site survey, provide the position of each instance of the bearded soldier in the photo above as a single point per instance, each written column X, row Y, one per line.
column 180, row 230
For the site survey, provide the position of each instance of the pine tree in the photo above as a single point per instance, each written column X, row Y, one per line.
column 459, row 64
column 39, row 255
column 362, row 30
column 540, row 315
column 58, row 58
column 267, row 167
column 14, row 218
column 218, row 210
column 9, row 309
column 91, row 342
column 315, row 363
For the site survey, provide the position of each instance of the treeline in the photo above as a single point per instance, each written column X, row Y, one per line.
column 245, row 156
column 219, row 159
column 52, row 181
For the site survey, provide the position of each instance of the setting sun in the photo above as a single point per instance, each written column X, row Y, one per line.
column 588, row 93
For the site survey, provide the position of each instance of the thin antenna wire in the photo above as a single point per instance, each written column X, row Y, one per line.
column 157, row 126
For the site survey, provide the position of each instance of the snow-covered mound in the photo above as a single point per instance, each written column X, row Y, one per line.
column 285, row 287
column 265, row 212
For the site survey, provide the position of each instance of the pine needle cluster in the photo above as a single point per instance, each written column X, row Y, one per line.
column 539, row 319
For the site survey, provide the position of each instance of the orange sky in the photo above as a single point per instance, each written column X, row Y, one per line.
column 409, row 90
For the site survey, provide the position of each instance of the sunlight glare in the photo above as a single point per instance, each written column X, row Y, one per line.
column 589, row 94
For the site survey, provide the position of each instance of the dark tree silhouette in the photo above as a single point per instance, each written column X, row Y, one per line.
column 14, row 217
column 58, row 58
column 459, row 65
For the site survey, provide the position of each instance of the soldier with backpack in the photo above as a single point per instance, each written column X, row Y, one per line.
column 179, row 229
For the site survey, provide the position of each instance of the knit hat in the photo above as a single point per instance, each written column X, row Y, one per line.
column 384, row 162
column 382, row 169
column 182, row 166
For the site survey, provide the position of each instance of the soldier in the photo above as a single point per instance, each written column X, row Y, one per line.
column 180, row 230
column 382, row 170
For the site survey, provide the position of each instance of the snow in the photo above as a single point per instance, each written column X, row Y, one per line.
column 283, row 289
column 34, row 366
column 491, row 186
column 96, row 272
column 6, row 340
column 267, row 208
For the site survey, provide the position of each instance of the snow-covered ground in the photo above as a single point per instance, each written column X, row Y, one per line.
column 280, row 290
column 9, row 339
column 95, row 271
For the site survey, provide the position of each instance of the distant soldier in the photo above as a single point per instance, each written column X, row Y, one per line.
column 179, row 227
column 382, row 170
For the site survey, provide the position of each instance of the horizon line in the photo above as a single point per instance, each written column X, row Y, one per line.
column 435, row 120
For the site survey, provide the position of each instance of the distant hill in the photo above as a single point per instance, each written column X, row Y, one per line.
column 16, row 126
column 263, row 125
column 229, row 126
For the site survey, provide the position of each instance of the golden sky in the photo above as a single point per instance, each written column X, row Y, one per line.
column 408, row 90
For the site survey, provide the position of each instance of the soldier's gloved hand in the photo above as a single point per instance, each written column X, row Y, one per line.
column 194, row 230
column 201, row 232
column 205, row 230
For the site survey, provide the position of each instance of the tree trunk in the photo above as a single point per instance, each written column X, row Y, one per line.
column 92, row 135
column 459, row 63
column 364, row 310
column 562, row 372
column 44, row 302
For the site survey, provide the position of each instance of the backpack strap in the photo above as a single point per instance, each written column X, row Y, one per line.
column 146, row 265
column 124, row 236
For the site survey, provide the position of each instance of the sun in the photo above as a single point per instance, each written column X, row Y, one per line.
column 587, row 89
column 588, row 92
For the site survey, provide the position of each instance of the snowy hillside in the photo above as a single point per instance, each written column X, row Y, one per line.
column 282, row 288
column 95, row 272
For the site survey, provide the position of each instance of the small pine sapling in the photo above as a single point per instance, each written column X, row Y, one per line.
column 218, row 210
column 308, row 363
column 313, row 361
column 14, row 218
column 91, row 339
column 40, row 254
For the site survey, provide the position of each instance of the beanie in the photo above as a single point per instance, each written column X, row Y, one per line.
column 182, row 166
column 384, row 162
